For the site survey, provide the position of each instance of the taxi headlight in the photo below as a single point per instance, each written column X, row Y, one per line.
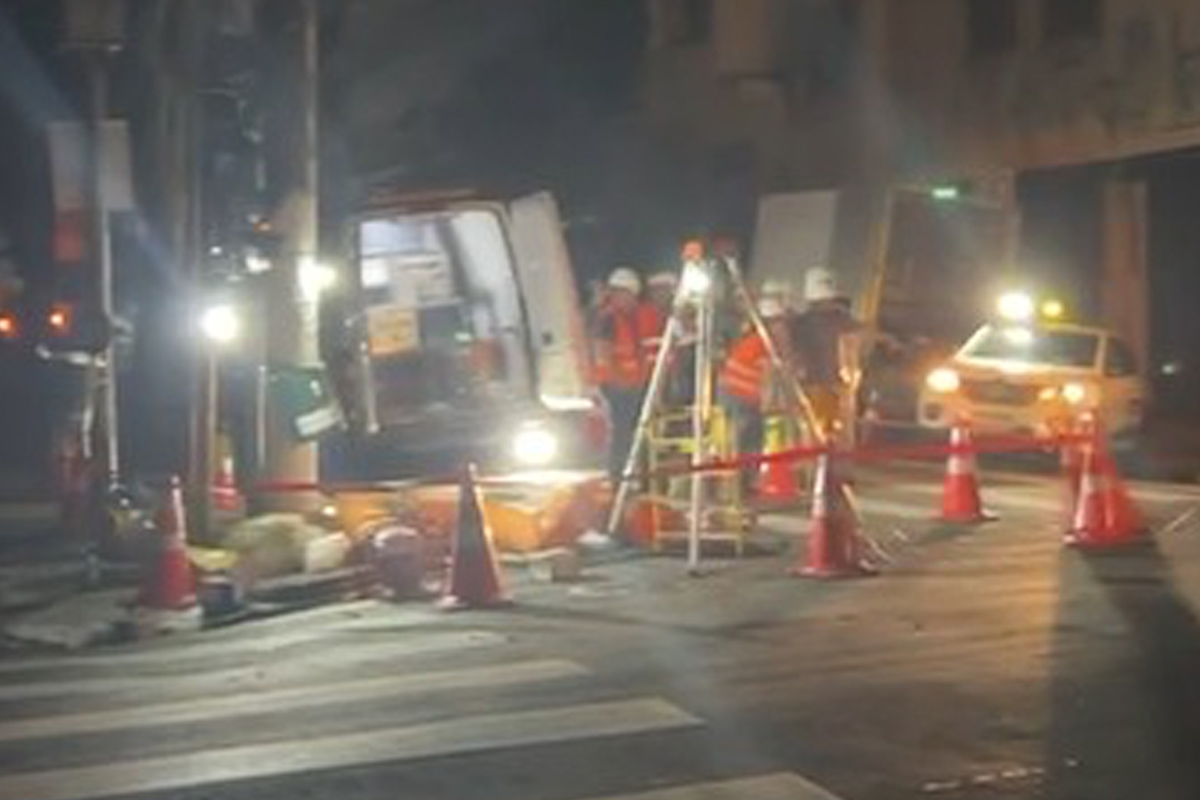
column 1048, row 394
column 535, row 446
column 943, row 380
column 1074, row 393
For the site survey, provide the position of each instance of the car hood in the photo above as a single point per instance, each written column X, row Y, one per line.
column 1017, row 373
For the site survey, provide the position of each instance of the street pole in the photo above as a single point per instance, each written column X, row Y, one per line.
column 291, row 336
column 105, row 368
column 701, row 418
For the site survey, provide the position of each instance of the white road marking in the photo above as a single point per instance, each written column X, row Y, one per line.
column 266, row 637
column 251, row 675
column 249, row 703
column 182, row 654
column 458, row 736
column 1179, row 522
column 779, row 786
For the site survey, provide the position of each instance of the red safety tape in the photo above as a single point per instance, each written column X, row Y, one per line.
column 896, row 452
column 901, row 452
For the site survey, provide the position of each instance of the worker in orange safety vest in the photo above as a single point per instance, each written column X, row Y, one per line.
column 622, row 338
column 745, row 376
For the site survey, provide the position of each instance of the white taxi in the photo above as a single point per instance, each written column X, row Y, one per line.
column 1035, row 378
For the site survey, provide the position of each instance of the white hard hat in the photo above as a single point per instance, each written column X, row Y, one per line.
column 819, row 284
column 774, row 287
column 625, row 278
column 770, row 307
column 664, row 278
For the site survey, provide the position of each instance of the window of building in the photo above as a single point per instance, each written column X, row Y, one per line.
column 991, row 26
column 690, row 21
column 1071, row 19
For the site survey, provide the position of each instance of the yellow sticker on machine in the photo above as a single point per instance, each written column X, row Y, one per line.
column 392, row 330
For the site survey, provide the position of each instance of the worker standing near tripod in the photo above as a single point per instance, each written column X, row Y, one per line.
column 828, row 339
column 744, row 381
column 625, row 336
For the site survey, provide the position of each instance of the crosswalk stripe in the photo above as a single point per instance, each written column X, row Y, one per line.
column 267, row 637
column 225, row 680
column 777, row 786
column 250, row 703
column 179, row 654
column 457, row 736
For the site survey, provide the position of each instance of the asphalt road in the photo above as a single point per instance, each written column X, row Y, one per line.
column 982, row 663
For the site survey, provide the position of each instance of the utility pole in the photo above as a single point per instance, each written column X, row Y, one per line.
column 292, row 318
column 98, row 74
column 97, row 31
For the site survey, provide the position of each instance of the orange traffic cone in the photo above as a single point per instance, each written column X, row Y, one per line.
column 474, row 570
column 225, row 496
column 777, row 480
column 1105, row 515
column 170, row 585
column 834, row 540
column 1070, row 460
column 960, row 494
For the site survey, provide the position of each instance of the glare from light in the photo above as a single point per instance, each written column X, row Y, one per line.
column 315, row 279
column 1074, row 393
column 329, row 511
column 1053, row 309
column 1019, row 337
column 945, row 192
column 1015, row 306
column 535, row 446
column 59, row 320
column 1048, row 394
column 221, row 324
column 1172, row 368
column 696, row 281
column 943, row 380
column 8, row 326
column 257, row 264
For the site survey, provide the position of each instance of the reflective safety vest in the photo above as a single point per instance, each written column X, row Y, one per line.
column 620, row 356
column 652, row 324
column 745, row 370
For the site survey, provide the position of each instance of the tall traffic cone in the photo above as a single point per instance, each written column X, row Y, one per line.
column 1105, row 515
column 835, row 546
column 960, row 493
column 1070, row 460
column 777, row 480
column 474, row 580
column 225, row 496
column 170, row 585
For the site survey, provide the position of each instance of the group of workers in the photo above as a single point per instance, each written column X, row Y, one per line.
column 818, row 344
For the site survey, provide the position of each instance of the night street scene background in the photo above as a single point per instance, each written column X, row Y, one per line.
column 794, row 399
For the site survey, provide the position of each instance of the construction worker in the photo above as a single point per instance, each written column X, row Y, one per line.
column 778, row 290
column 826, row 337
column 655, row 311
column 620, row 338
column 744, row 379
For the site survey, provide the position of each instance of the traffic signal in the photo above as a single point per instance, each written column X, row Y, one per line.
column 945, row 192
column 10, row 326
column 59, row 320
column 69, row 326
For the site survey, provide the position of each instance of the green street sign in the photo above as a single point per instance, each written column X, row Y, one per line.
column 302, row 395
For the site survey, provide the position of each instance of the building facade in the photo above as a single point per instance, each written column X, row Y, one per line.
column 770, row 95
column 818, row 91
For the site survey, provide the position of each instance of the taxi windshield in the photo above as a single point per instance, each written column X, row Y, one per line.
column 1034, row 346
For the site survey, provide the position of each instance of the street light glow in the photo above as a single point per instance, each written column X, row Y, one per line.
column 221, row 324
column 1015, row 306
column 315, row 279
